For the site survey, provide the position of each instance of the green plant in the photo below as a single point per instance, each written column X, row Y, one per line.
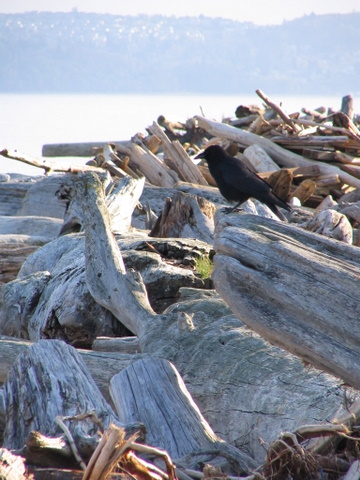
column 204, row 266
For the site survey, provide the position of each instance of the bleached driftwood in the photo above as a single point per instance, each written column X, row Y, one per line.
column 136, row 392
column 332, row 224
column 120, row 345
column 181, row 162
column 83, row 149
column 45, row 228
column 186, row 216
column 295, row 128
column 37, row 382
column 297, row 289
column 223, row 342
column 58, row 306
column 47, row 165
column 283, row 157
column 101, row 365
column 246, row 388
column 261, row 161
column 143, row 162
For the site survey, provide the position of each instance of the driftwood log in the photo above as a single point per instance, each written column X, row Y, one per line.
column 136, row 393
column 297, row 289
column 37, row 391
column 283, row 157
column 173, row 337
column 244, row 387
column 186, row 215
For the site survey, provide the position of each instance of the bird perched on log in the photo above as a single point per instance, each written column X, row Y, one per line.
column 237, row 183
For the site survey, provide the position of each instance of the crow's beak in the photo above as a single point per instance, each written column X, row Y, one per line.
column 201, row 155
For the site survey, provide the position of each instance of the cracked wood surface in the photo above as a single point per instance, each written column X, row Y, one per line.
column 297, row 289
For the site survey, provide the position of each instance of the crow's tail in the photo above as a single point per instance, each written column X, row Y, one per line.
column 275, row 210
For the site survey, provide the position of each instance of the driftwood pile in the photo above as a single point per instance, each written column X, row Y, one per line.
column 118, row 358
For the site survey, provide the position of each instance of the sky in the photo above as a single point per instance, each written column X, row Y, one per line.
column 261, row 12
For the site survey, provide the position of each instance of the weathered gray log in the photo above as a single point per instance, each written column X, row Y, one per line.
column 352, row 211
column 47, row 165
column 120, row 345
column 120, row 202
column 246, row 389
column 18, row 300
column 297, row 289
column 60, row 308
column 83, row 149
column 42, row 229
column 283, row 157
column 258, row 395
column 12, row 193
column 13, row 255
column 48, row 380
column 186, row 215
column 106, row 275
column 101, row 365
column 175, row 423
column 347, row 106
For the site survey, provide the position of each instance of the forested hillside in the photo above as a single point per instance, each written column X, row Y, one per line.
column 82, row 52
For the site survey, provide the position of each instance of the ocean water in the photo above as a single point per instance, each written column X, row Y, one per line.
column 27, row 122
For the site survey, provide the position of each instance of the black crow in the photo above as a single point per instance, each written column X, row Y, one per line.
column 237, row 183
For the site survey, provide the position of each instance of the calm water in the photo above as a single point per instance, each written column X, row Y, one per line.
column 29, row 121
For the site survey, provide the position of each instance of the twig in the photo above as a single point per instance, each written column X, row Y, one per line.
column 47, row 165
column 279, row 111
column 71, row 441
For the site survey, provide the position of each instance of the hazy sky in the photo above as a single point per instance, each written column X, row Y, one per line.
column 257, row 11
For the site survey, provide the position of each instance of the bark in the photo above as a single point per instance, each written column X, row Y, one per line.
column 309, row 296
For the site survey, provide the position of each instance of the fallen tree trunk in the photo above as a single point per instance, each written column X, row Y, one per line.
column 297, row 289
